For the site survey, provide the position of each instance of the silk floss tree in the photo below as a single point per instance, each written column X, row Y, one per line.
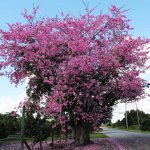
column 81, row 66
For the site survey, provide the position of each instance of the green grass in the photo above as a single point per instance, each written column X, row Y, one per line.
column 93, row 135
column 98, row 135
column 11, row 138
column 135, row 130
column 16, row 138
column 138, row 131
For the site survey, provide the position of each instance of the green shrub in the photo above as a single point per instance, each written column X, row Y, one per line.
column 134, row 127
column 113, row 125
column 3, row 131
column 145, row 126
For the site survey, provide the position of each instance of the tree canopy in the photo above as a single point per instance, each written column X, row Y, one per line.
column 78, row 67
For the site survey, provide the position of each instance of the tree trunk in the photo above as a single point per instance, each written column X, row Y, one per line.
column 77, row 134
column 81, row 134
column 85, row 139
column 52, row 138
column 28, row 147
column 41, row 139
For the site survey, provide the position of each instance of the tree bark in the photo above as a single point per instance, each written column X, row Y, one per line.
column 85, row 134
column 81, row 134
column 41, row 139
column 28, row 147
column 52, row 138
column 77, row 134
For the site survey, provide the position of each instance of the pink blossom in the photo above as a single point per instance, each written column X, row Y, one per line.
column 82, row 65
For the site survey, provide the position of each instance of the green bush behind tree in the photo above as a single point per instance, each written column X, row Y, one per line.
column 9, row 124
column 144, row 120
column 145, row 126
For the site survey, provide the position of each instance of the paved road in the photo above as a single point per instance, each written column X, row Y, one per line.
column 129, row 140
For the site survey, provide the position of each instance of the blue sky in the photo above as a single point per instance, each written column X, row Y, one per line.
column 139, row 11
column 10, row 12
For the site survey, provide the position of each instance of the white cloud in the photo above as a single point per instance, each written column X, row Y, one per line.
column 143, row 105
column 7, row 103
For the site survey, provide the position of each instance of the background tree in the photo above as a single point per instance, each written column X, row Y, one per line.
column 132, row 119
column 36, row 127
column 145, row 126
column 3, row 131
column 78, row 67
column 9, row 124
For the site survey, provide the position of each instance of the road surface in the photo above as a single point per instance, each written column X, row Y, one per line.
column 129, row 140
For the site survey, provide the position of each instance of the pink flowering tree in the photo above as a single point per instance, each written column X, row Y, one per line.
column 79, row 67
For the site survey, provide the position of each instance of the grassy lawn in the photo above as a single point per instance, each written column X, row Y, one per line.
column 11, row 138
column 98, row 135
column 138, row 131
column 135, row 130
column 93, row 135
column 16, row 138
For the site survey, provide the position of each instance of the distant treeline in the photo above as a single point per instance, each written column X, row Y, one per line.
column 132, row 117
